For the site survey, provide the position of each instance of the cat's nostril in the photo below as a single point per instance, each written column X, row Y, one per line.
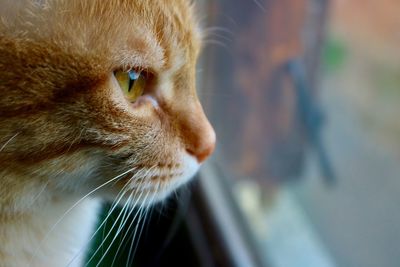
column 203, row 155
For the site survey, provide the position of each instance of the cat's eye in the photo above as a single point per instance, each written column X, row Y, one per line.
column 132, row 83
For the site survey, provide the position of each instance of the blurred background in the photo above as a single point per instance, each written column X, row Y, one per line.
column 305, row 99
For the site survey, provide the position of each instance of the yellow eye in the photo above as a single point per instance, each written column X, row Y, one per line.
column 132, row 83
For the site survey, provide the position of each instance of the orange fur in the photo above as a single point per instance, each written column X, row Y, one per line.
column 65, row 126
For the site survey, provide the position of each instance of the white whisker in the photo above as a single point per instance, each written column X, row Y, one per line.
column 113, row 206
column 141, row 230
column 40, row 193
column 112, row 227
column 108, row 234
column 213, row 29
column 124, row 218
column 83, row 198
column 258, row 3
column 215, row 42
column 139, row 212
column 73, row 206
column 134, row 233
column 128, row 229
column 9, row 140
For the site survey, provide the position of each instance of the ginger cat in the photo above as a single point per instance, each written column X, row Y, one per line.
column 98, row 101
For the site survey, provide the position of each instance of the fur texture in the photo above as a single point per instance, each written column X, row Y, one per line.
column 67, row 133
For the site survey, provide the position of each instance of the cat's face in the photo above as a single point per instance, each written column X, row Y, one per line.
column 66, row 122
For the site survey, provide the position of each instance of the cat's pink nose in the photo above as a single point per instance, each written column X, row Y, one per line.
column 198, row 134
column 204, row 144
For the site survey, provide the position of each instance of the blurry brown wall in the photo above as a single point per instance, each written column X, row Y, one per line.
column 252, row 101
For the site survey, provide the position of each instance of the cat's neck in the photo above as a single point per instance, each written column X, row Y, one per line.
column 32, row 240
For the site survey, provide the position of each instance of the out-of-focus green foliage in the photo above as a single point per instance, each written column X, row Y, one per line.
column 334, row 54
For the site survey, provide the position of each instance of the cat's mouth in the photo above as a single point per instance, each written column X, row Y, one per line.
column 133, row 182
column 149, row 190
column 153, row 183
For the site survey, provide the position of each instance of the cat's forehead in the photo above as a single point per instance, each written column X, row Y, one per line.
column 157, row 34
column 168, row 29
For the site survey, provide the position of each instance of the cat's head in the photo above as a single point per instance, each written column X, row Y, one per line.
column 100, row 94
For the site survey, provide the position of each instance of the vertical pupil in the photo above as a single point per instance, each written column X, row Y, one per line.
column 133, row 76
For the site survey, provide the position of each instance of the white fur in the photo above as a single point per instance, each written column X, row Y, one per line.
column 41, row 248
